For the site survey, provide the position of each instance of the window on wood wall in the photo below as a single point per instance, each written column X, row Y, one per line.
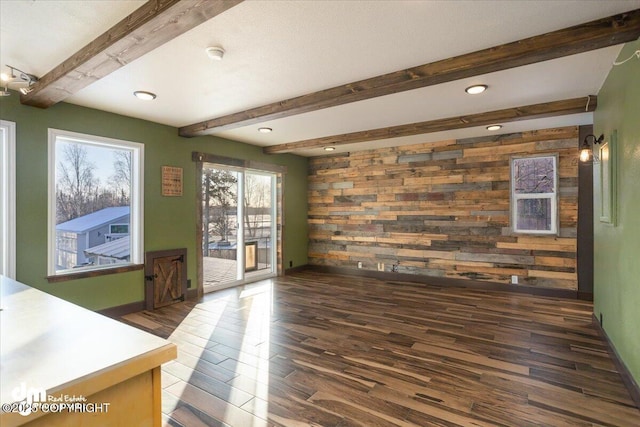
column 534, row 194
column 95, row 202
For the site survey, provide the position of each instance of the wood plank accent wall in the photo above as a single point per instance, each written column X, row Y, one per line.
column 442, row 209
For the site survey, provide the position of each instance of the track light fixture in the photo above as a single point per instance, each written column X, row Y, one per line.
column 586, row 150
column 17, row 77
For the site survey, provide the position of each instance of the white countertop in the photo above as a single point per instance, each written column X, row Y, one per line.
column 51, row 344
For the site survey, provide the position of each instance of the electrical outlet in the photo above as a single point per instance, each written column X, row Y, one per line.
column 381, row 266
column 514, row 280
column 359, row 264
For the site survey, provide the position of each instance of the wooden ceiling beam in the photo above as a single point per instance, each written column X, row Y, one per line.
column 547, row 109
column 148, row 27
column 593, row 35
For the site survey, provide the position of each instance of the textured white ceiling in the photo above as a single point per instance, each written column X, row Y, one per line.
column 37, row 35
column 281, row 49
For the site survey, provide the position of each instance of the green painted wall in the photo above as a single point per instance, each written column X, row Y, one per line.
column 170, row 222
column 617, row 249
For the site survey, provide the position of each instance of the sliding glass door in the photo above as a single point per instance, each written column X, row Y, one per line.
column 259, row 223
column 238, row 226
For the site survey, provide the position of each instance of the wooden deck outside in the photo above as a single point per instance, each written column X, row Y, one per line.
column 218, row 270
column 329, row 350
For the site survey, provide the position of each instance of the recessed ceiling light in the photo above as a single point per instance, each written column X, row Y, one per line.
column 265, row 130
column 494, row 127
column 329, row 148
column 476, row 89
column 145, row 96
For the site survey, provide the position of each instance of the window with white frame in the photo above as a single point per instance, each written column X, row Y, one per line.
column 95, row 202
column 7, row 199
column 534, row 194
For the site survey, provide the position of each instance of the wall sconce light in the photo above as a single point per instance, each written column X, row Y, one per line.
column 586, row 150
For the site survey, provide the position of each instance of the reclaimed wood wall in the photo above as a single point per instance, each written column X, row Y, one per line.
column 442, row 209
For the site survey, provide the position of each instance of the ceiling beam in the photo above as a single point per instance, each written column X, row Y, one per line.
column 151, row 25
column 547, row 109
column 593, row 35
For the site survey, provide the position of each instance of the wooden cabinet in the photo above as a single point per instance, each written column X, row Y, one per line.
column 63, row 353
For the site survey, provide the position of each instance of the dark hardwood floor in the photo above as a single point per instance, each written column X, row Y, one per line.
column 329, row 350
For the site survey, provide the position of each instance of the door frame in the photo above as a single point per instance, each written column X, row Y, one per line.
column 8, row 199
column 246, row 165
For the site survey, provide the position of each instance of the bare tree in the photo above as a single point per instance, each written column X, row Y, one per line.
column 219, row 188
column 77, row 186
column 256, row 201
column 121, row 178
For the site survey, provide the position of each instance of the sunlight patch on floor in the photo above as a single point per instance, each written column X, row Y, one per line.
column 255, row 348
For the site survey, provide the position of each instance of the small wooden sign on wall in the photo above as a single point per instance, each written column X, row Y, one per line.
column 171, row 181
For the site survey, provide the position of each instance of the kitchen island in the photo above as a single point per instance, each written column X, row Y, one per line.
column 61, row 364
